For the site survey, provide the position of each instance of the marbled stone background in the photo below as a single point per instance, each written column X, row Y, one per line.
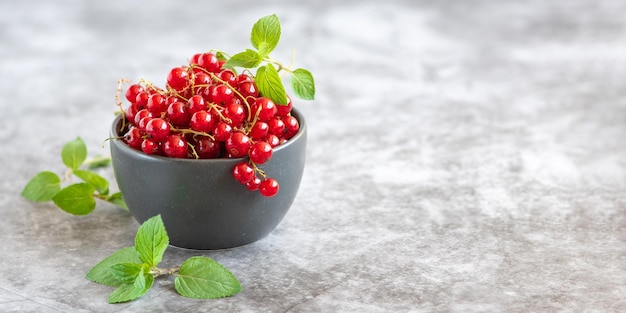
column 464, row 156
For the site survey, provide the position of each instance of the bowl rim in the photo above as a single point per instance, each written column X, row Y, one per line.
column 116, row 140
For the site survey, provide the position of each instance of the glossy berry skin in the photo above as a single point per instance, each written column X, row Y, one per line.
column 156, row 104
column 132, row 91
column 149, row 146
column 209, row 62
column 221, row 94
column 268, row 187
column 235, row 112
column 260, row 152
column 253, row 184
column 284, row 110
column 238, row 144
column 228, row 76
column 248, row 89
column 276, row 126
column 178, row 78
column 203, row 121
column 175, row 146
column 140, row 115
column 178, row 113
column 141, row 100
column 157, row 129
column 291, row 126
column 243, row 172
column 195, row 104
column 206, row 148
column 259, row 130
column 133, row 137
column 265, row 108
column 273, row 140
column 222, row 131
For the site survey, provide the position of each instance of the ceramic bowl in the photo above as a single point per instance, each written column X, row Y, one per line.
column 201, row 204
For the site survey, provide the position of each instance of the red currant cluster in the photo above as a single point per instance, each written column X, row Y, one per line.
column 207, row 112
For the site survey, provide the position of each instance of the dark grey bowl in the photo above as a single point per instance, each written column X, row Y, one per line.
column 202, row 205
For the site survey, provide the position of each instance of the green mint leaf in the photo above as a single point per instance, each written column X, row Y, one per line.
column 270, row 85
column 98, row 162
column 76, row 199
column 220, row 56
column 303, row 84
column 42, row 187
column 151, row 241
column 127, row 292
column 127, row 272
column 97, row 181
column 203, row 278
column 74, row 153
column 266, row 34
column 117, row 199
column 102, row 273
column 246, row 59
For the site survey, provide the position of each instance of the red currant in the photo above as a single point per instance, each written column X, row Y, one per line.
column 273, row 140
column 222, row 131
column 207, row 148
column 156, row 104
column 243, row 172
column 142, row 99
column 178, row 78
column 253, row 184
column 269, row 187
column 209, row 62
column 259, row 130
column 260, row 152
column 276, row 126
column 248, row 89
column 284, row 110
column 228, row 76
column 235, row 112
column 265, row 108
column 238, row 144
column 175, row 146
column 203, row 121
column 140, row 115
column 132, row 91
column 178, row 113
column 291, row 126
column 221, row 94
column 150, row 146
column 133, row 137
column 157, row 129
column 132, row 110
column 195, row 104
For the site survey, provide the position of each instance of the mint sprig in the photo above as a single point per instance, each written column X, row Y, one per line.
column 74, row 198
column 264, row 38
column 133, row 270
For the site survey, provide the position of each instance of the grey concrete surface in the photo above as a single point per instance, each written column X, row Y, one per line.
column 464, row 156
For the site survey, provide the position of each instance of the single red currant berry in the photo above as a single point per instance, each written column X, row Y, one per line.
column 142, row 99
column 259, row 130
column 133, row 137
column 157, row 129
column 242, row 78
column 178, row 78
column 265, row 108
column 194, row 59
column 132, row 91
column 228, row 76
column 260, row 152
column 195, row 104
column 203, row 121
column 171, row 99
column 269, row 187
column 209, row 62
column 253, row 184
column 248, row 89
column 276, row 126
column 143, row 122
column 201, row 79
column 207, row 148
column 273, row 140
column 291, row 126
column 222, row 131
column 131, row 112
column 175, row 146
column 235, row 112
column 150, row 146
column 221, row 94
column 284, row 110
column 243, row 172
column 238, row 144
column 178, row 113
column 156, row 104
column 140, row 115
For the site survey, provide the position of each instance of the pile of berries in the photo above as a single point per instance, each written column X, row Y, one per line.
column 206, row 111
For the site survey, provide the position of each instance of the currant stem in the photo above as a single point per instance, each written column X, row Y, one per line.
column 156, row 271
